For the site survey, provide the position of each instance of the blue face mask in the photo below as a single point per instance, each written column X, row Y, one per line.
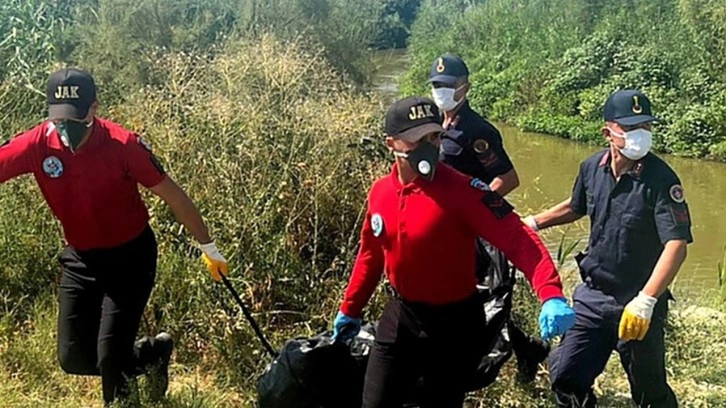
column 72, row 132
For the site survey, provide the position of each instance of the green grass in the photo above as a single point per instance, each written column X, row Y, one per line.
column 722, row 276
column 30, row 376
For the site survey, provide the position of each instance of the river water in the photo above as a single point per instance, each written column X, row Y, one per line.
column 547, row 167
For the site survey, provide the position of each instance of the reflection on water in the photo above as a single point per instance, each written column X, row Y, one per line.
column 390, row 64
column 547, row 167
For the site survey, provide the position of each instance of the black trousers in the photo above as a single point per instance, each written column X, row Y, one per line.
column 586, row 348
column 102, row 297
column 440, row 344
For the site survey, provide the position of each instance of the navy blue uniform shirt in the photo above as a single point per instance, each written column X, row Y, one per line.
column 474, row 146
column 630, row 221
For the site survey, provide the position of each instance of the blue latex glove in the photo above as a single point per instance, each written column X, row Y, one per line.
column 345, row 328
column 556, row 318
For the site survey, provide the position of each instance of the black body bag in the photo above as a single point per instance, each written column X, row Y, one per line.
column 496, row 283
column 316, row 372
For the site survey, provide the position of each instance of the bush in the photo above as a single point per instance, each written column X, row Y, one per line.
column 549, row 66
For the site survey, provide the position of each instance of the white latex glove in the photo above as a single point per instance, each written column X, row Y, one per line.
column 531, row 223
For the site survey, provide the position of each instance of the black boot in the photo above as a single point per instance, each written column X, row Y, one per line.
column 158, row 371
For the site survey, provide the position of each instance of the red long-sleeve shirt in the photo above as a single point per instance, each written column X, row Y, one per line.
column 423, row 234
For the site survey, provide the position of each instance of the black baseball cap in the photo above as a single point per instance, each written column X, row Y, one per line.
column 629, row 108
column 447, row 69
column 412, row 118
column 70, row 94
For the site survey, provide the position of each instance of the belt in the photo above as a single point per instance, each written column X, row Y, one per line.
column 428, row 307
column 589, row 281
column 605, row 288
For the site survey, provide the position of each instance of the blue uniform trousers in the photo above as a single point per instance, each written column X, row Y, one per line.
column 586, row 348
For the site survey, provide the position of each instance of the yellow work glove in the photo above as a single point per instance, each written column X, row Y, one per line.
column 214, row 260
column 635, row 321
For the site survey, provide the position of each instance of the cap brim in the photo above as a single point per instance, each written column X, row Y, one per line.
column 444, row 79
column 636, row 120
column 413, row 135
column 66, row 111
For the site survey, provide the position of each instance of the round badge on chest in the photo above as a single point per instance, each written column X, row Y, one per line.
column 53, row 167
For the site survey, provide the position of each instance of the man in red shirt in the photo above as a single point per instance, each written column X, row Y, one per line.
column 420, row 227
column 88, row 169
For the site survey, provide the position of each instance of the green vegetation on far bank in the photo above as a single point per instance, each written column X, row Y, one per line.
column 548, row 65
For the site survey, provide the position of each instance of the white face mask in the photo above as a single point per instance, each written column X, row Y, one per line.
column 444, row 98
column 637, row 143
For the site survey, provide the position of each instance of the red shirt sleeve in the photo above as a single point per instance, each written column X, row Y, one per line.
column 141, row 163
column 15, row 156
column 367, row 271
column 517, row 241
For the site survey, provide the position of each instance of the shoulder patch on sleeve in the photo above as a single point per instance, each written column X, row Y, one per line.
column 480, row 146
column 486, row 152
column 145, row 143
column 489, row 160
column 157, row 164
column 681, row 216
column 677, row 194
column 496, row 204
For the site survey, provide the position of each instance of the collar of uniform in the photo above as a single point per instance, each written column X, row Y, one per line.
column 51, row 135
column 605, row 160
column 395, row 181
column 638, row 168
column 465, row 108
column 635, row 172
column 453, row 123
column 54, row 140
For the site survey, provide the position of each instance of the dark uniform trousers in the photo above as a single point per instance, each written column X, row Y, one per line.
column 102, row 298
column 440, row 345
column 586, row 348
